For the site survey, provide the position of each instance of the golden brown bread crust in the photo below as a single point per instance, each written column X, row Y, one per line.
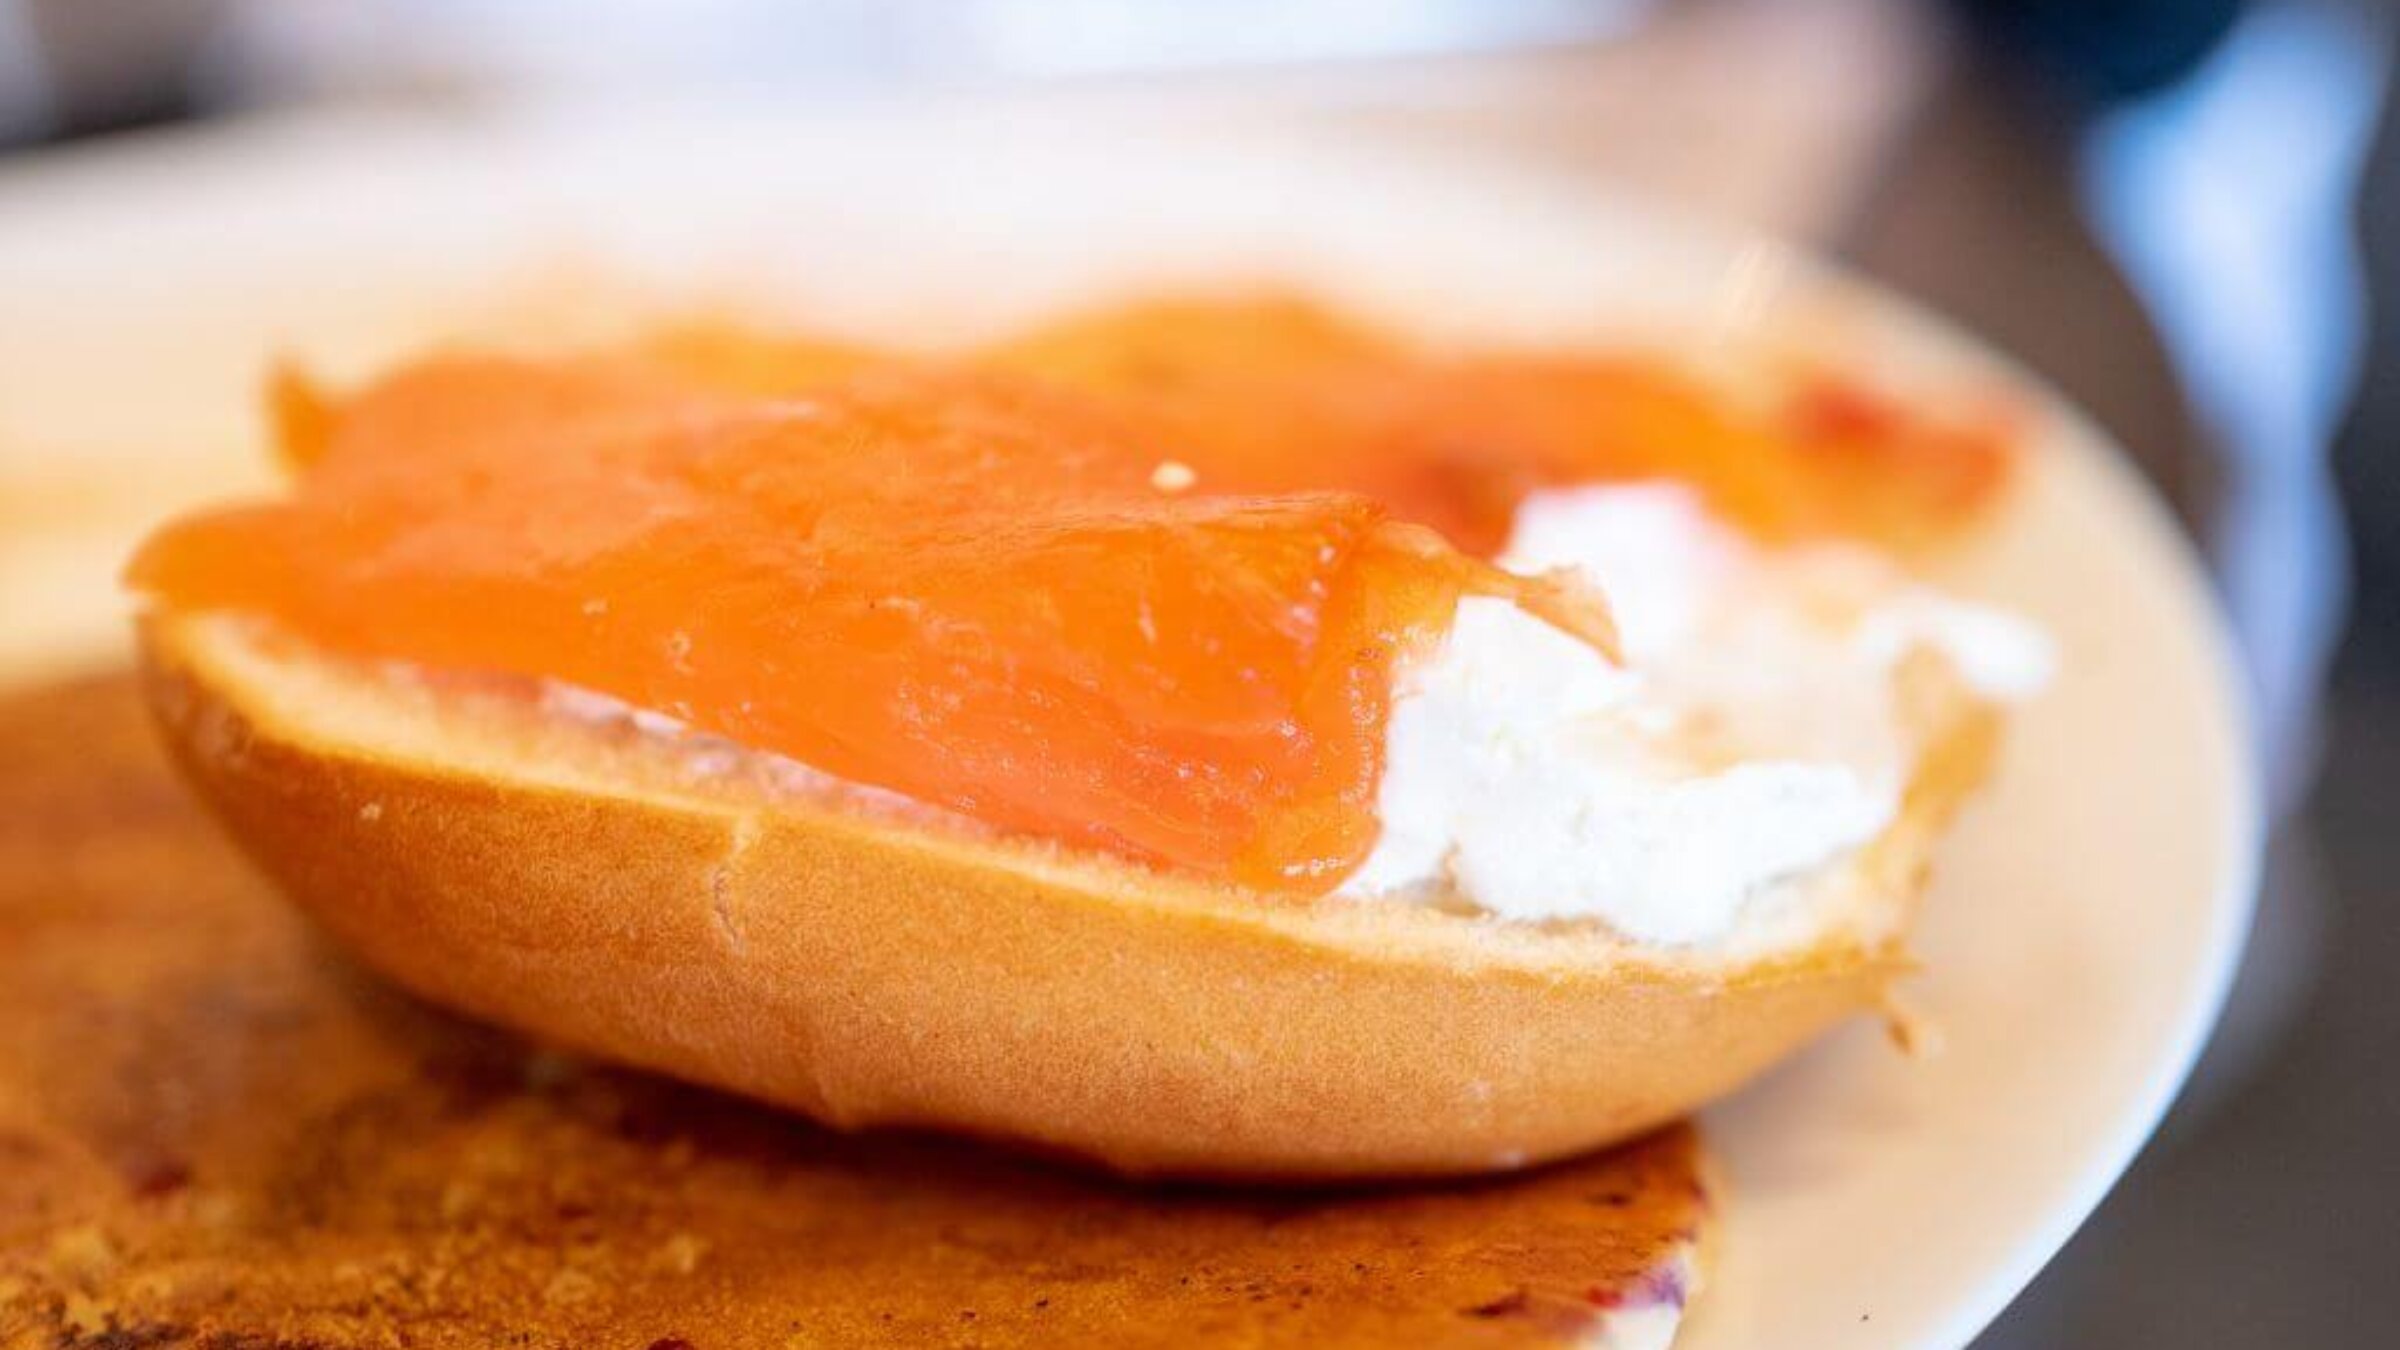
column 873, row 974
column 215, row 1133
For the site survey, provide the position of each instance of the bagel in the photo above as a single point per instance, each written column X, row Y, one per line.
column 1116, row 764
column 671, row 903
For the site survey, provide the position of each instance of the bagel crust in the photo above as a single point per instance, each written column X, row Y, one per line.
column 583, row 884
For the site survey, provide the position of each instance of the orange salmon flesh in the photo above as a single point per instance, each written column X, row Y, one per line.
column 1137, row 581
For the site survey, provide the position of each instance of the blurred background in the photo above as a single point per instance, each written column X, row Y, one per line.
column 2184, row 212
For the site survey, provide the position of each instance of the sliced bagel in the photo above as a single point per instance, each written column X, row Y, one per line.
column 685, row 908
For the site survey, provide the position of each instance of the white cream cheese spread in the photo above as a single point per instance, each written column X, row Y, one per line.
column 1752, row 738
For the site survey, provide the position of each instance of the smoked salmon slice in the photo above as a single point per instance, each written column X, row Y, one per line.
column 1136, row 581
column 949, row 584
column 1276, row 393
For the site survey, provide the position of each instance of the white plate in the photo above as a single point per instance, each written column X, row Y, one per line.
column 2085, row 918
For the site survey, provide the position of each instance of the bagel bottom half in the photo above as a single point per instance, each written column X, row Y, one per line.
column 616, row 892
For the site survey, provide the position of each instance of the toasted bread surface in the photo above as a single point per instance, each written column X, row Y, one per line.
column 590, row 885
column 216, row 1131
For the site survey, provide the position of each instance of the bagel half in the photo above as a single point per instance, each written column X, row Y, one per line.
column 612, row 890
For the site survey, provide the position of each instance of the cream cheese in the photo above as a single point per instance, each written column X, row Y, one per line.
column 1751, row 739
